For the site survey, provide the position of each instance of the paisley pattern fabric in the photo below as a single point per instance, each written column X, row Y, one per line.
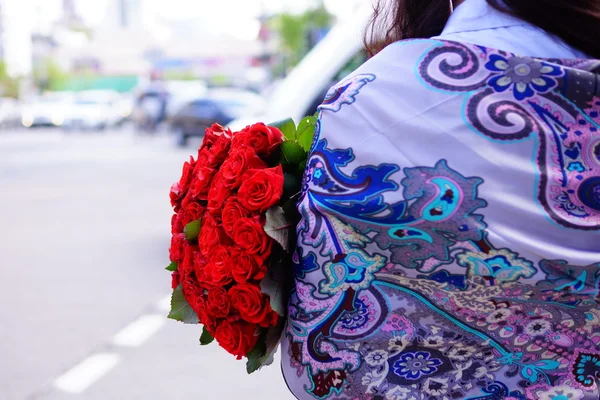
column 451, row 258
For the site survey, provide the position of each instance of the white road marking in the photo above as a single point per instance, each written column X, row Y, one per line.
column 83, row 375
column 140, row 330
column 164, row 304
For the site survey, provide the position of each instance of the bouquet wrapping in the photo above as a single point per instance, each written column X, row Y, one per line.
column 233, row 232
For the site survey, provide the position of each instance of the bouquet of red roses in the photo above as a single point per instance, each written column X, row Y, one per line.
column 233, row 226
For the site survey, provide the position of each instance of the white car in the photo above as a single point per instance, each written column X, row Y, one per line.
column 10, row 112
column 298, row 95
column 94, row 109
column 48, row 109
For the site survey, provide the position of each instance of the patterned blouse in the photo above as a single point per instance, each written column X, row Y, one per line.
column 450, row 240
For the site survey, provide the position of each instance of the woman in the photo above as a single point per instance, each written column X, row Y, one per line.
column 450, row 240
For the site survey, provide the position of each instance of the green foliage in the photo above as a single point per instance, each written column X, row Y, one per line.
column 180, row 76
column 278, row 227
column 263, row 353
column 306, row 132
column 192, row 230
column 287, row 127
column 206, row 337
column 9, row 86
column 294, row 32
column 172, row 267
column 292, row 153
column 255, row 356
column 48, row 75
column 180, row 309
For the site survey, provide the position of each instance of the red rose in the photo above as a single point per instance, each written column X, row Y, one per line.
column 211, row 135
column 188, row 263
column 194, row 295
column 218, row 270
column 233, row 212
column 254, row 306
column 261, row 189
column 218, row 302
column 249, row 234
column 219, row 150
column 201, row 184
column 176, row 225
column 238, row 338
column 179, row 189
column 199, row 266
column 262, row 138
column 176, row 249
column 175, row 279
column 246, row 267
column 211, row 235
column 217, row 195
column 175, row 195
column 209, row 321
column 191, row 212
column 203, row 158
column 237, row 163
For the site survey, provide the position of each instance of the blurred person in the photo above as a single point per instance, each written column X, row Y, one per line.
column 153, row 104
column 449, row 246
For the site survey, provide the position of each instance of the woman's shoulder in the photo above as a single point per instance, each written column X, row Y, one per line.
column 386, row 89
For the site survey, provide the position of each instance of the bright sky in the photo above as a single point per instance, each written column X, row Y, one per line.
column 93, row 10
column 238, row 16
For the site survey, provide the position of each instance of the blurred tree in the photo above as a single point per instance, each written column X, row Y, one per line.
column 48, row 75
column 9, row 86
column 180, row 76
column 299, row 33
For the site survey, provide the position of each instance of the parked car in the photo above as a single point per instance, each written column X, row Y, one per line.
column 48, row 109
column 331, row 60
column 218, row 106
column 10, row 113
column 93, row 109
column 158, row 101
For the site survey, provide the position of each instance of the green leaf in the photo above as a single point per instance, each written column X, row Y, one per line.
column 264, row 352
column 259, row 349
column 291, row 185
column 192, row 230
column 292, row 153
column 273, row 285
column 206, row 337
column 272, row 341
column 253, row 365
column 287, row 127
column 301, row 168
column 172, row 267
column 256, row 355
column 180, row 309
column 277, row 226
column 291, row 210
column 306, row 132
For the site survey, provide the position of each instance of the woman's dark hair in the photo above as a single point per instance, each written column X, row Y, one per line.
column 576, row 22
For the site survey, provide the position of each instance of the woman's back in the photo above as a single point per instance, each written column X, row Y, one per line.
column 450, row 241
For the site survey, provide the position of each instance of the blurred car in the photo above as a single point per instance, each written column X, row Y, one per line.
column 218, row 106
column 125, row 105
column 331, row 60
column 10, row 112
column 158, row 101
column 93, row 109
column 48, row 109
column 181, row 93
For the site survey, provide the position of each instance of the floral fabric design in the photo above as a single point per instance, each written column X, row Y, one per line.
column 405, row 287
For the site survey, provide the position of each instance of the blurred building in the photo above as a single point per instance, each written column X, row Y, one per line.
column 132, row 40
column 16, row 28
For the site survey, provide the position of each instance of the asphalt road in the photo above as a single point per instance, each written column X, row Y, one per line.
column 84, row 236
